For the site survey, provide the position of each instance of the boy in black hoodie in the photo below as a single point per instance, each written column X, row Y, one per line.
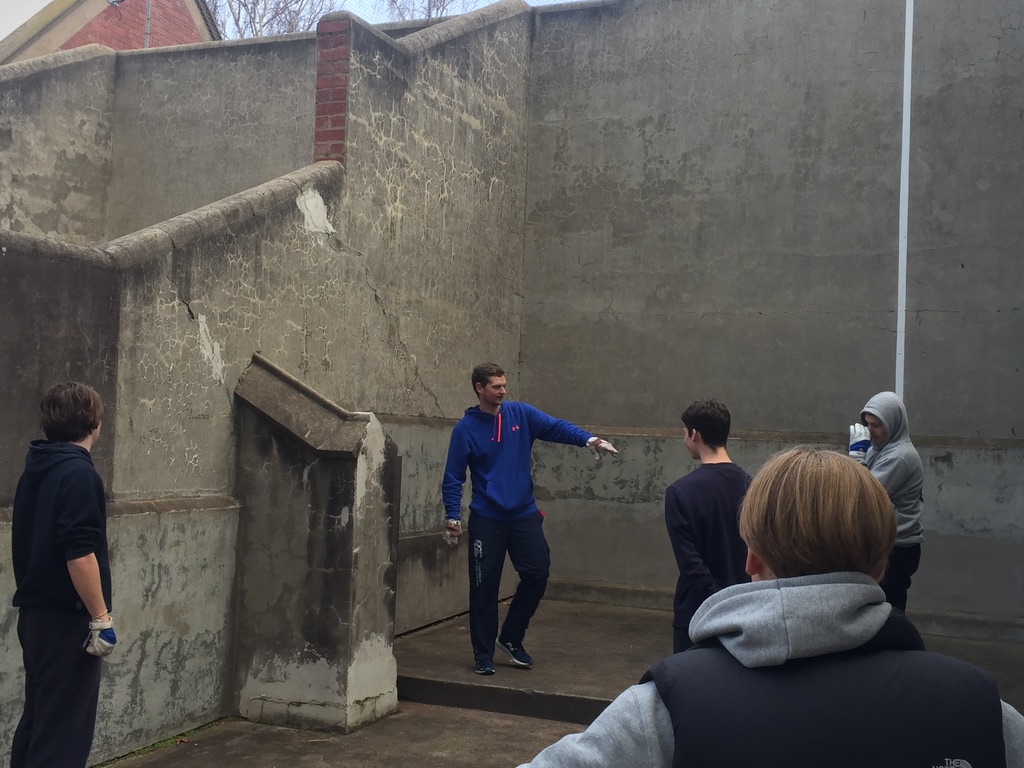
column 62, row 575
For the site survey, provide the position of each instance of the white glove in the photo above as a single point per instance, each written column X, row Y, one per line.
column 101, row 639
column 596, row 445
column 860, row 441
column 452, row 532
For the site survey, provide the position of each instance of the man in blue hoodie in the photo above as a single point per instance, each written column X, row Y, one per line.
column 62, row 577
column 494, row 439
column 881, row 442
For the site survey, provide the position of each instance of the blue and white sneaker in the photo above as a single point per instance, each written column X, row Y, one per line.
column 517, row 653
column 484, row 667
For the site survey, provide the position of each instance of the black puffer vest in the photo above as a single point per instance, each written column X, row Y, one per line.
column 887, row 704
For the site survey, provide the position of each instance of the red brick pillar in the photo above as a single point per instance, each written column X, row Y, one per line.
column 332, row 54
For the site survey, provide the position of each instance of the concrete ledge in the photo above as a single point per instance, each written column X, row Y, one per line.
column 50, row 61
column 431, row 32
column 577, row 6
column 966, row 626
column 53, row 250
column 160, row 239
column 123, row 508
column 568, row 708
column 458, row 26
column 323, row 426
column 836, row 439
column 609, row 593
column 219, row 217
column 217, row 46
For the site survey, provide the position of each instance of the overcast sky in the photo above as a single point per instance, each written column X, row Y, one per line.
column 14, row 13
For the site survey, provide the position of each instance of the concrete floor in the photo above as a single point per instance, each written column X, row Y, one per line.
column 585, row 655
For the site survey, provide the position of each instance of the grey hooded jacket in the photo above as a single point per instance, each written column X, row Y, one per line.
column 897, row 466
column 765, row 623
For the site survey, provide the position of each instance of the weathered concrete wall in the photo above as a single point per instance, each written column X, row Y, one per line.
column 713, row 203
column 172, row 566
column 433, row 580
column 965, row 364
column 198, row 123
column 56, row 129
column 712, row 210
column 313, row 304
column 316, row 559
column 605, row 523
column 434, row 194
column 58, row 322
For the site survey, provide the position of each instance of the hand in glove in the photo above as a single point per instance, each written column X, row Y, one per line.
column 596, row 445
column 101, row 639
column 860, row 441
column 452, row 532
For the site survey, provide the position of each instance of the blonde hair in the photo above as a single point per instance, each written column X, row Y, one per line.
column 810, row 511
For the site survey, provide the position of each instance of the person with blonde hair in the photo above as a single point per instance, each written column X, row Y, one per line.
column 808, row 664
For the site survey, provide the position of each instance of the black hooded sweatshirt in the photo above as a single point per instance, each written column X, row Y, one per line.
column 59, row 515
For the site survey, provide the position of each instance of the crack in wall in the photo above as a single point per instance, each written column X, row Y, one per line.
column 188, row 307
column 394, row 328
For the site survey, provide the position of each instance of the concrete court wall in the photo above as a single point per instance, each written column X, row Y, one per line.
column 713, row 202
column 194, row 124
column 56, row 133
column 965, row 322
column 714, row 187
column 712, row 209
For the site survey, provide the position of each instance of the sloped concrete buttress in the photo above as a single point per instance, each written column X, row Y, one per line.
column 317, row 548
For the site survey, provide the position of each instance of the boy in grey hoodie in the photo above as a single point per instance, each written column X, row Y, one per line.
column 808, row 664
column 894, row 461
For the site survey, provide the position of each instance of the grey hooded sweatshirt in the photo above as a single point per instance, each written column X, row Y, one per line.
column 897, row 466
column 762, row 624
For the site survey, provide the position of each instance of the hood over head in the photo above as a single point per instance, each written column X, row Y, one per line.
column 767, row 623
column 44, row 455
column 888, row 408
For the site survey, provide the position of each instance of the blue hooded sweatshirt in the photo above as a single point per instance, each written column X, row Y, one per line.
column 498, row 451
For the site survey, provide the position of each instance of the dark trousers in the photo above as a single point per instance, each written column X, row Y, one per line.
column 62, row 686
column 489, row 541
column 903, row 563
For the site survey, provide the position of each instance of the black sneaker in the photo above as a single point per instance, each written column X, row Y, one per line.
column 484, row 668
column 517, row 653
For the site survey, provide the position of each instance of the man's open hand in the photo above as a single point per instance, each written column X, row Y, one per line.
column 596, row 445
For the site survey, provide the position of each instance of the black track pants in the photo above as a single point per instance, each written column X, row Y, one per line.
column 489, row 541
column 903, row 563
column 62, row 684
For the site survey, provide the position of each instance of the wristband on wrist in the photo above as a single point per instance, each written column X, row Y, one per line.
column 101, row 615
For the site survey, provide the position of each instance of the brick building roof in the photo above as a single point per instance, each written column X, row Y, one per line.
column 117, row 24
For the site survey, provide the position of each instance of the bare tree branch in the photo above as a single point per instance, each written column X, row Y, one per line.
column 409, row 10
column 260, row 18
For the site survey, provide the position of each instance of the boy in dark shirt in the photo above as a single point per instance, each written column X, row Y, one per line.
column 701, row 513
column 62, row 575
